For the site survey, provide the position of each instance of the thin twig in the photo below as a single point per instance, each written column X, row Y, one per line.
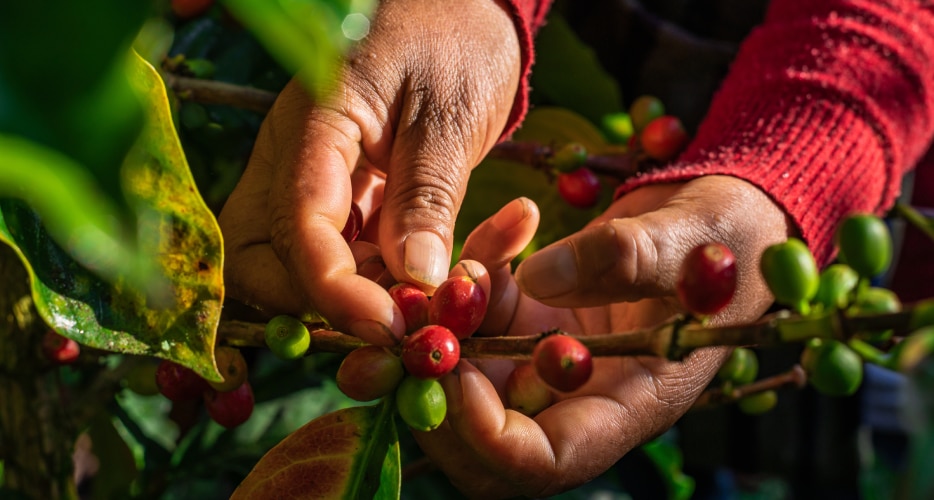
column 795, row 377
column 214, row 92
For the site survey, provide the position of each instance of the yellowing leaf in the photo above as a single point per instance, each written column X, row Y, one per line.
column 347, row 454
column 175, row 233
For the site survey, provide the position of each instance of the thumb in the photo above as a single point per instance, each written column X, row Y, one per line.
column 425, row 184
column 631, row 254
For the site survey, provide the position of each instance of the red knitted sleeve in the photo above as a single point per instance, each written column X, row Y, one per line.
column 529, row 16
column 827, row 104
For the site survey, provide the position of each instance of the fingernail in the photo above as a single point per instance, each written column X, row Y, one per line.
column 548, row 273
column 373, row 332
column 511, row 214
column 426, row 258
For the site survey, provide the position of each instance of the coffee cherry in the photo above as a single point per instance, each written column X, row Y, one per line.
column 580, row 188
column 569, row 157
column 910, row 352
column 421, row 403
column 369, row 372
column 865, row 244
column 187, row 9
column 790, row 272
column 179, row 383
column 562, row 362
column 708, row 278
column 232, row 367
column 230, row 408
column 644, row 110
column 837, row 283
column 287, row 337
column 740, row 368
column 618, row 127
column 664, row 138
column 758, row 403
column 832, row 368
column 430, row 352
column 526, row 392
column 413, row 303
column 459, row 304
column 354, row 223
column 876, row 300
column 59, row 349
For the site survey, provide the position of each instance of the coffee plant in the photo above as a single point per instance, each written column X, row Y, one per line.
column 125, row 372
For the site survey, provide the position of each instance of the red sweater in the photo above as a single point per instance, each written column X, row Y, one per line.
column 827, row 104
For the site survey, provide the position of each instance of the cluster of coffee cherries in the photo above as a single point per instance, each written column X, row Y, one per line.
column 228, row 402
column 645, row 130
column 835, row 366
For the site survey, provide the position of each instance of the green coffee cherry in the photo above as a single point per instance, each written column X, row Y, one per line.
column 740, row 368
column 832, row 368
column 865, row 244
column 876, row 300
column 421, row 403
column 790, row 272
column 569, row 157
column 617, row 127
column 287, row 337
column 837, row 282
column 758, row 403
column 645, row 109
column 908, row 353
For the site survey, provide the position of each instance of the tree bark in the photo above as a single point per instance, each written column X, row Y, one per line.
column 36, row 435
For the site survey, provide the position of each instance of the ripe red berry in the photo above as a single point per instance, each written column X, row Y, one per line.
column 430, row 352
column 186, row 9
column 580, row 188
column 354, row 223
column 459, row 304
column 526, row 392
column 414, row 305
column 663, row 138
column 562, row 362
column 230, row 408
column 59, row 349
column 707, row 279
column 179, row 383
column 369, row 372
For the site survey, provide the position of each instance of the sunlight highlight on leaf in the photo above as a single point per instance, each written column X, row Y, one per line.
column 347, row 454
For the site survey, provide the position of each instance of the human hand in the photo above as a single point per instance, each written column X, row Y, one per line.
column 616, row 275
column 420, row 102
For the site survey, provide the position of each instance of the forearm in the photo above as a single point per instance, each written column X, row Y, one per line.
column 827, row 104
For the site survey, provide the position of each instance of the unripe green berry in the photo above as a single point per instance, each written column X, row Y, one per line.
column 758, row 403
column 421, row 403
column 741, row 367
column 287, row 337
column 865, row 244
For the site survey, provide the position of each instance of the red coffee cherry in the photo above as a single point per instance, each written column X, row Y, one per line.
column 430, row 352
column 663, row 138
column 369, row 372
column 59, row 349
column 354, row 223
column 179, row 383
column 580, row 188
column 526, row 392
column 230, row 408
column 186, row 9
column 708, row 278
column 414, row 305
column 459, row 304
column 562, row 362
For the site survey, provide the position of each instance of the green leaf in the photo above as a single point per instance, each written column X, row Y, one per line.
column 175, row 232
column 568, row 74
column 307, row 37
column 350, row 453
column 114, row 456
